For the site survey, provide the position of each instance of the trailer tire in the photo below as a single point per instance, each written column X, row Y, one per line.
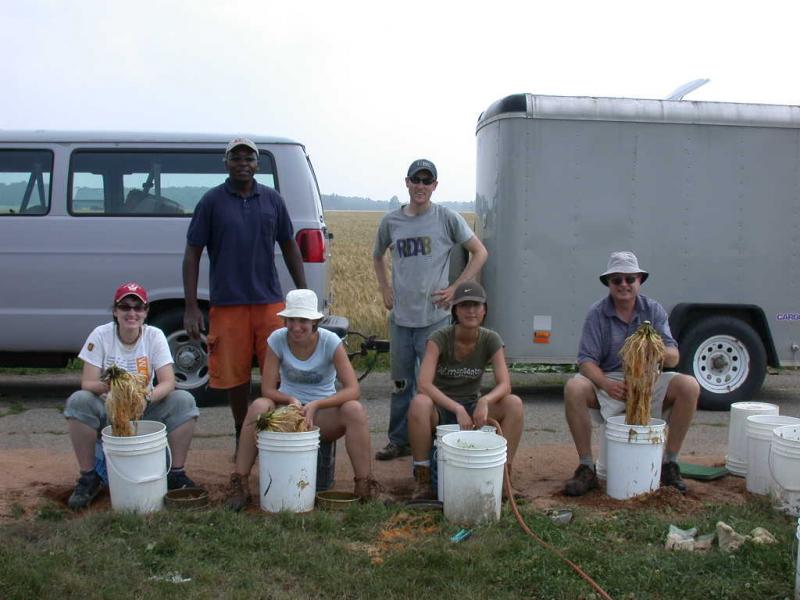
column 727, row 357
column 190, row 357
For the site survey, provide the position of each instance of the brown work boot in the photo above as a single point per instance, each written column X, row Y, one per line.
column 671, row 476
column 583, row 480
column 422, row 483
column 367, row 488
column 237, row 494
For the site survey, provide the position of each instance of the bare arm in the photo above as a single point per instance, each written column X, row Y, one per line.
column 294, row 262
column 165, row 378
column 193, row 316
column 477, row 258
column 615, row 389
column 671, row 356
column 90, row 380
column 387, row 293
column 349, row 391
column 270, row 377
column 425, row 385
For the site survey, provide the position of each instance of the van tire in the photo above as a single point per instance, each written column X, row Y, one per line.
column 727, row 357
column 190, row 356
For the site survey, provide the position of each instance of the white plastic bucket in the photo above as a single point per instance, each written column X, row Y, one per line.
column 137, row 468
column 287, row 464
column 759, row 438
column 736, row 459
column 784, row 467
column 441, row 431
column 473, row 476
column 633, row 455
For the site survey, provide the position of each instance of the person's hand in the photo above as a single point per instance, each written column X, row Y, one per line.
column 481, row 412
column 308, row 412
column 615, row 389
column 464, row 420
column 443, row 298
column 388, row 298
column 193, row 321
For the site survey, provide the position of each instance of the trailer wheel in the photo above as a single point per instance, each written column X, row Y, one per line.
column 728, row 359
column 190, row 356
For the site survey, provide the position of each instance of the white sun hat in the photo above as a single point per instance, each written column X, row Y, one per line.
column 301, row 304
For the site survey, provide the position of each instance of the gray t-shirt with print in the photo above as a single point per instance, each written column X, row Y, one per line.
column 420, row 247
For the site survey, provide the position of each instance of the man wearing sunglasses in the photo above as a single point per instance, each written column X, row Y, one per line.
column 420, row 236
column 599, row 383
column 239, row 222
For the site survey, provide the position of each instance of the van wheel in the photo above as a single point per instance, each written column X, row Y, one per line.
column 190, row 356
column 728, row 359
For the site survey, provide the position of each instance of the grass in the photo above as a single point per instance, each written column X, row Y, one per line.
column 350, row 555
column 14, row 408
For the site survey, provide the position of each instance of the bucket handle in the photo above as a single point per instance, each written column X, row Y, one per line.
column 110, row 462
column 772, row 472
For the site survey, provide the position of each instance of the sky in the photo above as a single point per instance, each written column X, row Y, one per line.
column 369, row 86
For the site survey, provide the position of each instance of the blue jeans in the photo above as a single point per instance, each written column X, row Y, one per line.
column 407, row 347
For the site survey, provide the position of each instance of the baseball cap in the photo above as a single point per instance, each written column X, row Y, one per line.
column 469, row 291
column 130, row 289
column 422, row 164
column 622, row 262
column 241, row 141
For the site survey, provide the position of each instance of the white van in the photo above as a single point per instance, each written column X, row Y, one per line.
column 82, row 212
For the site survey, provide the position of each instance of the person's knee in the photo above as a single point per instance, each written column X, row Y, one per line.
column 183, row 401
column 684, row 390
column 420, row 406
column 512, row 406
column 353, row 411
column 80, row 401
column 261, row 405
column 578, row 393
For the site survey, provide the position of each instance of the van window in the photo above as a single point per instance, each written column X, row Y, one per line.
column 137, row 183
column 25, row 182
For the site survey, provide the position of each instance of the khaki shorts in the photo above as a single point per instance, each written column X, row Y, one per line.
column 609, row 407
column 236, row 334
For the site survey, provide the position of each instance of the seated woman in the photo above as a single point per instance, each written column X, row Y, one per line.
column 130, row 344
column 449, row 384
column 301, row 366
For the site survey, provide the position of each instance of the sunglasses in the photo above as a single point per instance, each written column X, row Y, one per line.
column 629, row 279
column 422, row 180
column 122, row 306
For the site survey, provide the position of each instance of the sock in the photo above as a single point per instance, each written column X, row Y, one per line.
column 88, row 473
column 670, row 457
column 587, row 460
column 422, row 463
column 177, row 470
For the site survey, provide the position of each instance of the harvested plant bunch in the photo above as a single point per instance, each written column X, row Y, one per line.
column 286, row 418
column 125, row 401
column 642, row 355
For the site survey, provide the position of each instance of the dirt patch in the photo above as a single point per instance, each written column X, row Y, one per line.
column 31, row 477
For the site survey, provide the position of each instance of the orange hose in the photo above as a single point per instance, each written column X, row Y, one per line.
column 512, row 501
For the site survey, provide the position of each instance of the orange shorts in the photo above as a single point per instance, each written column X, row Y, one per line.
column 236, row 333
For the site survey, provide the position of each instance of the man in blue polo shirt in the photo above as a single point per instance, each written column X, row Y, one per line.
column 239, row 223
column 600, row 381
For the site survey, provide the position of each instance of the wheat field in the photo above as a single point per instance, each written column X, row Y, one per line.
column 355, row 289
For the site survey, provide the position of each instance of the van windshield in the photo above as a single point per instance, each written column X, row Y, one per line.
column 142, row 182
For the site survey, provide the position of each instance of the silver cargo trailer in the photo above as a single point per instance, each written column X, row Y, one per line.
column 707, row 194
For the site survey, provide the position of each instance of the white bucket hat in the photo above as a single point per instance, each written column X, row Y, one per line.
column 301, row 304
column 622, row 262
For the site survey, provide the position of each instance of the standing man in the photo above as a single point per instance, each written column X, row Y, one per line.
column 239, row 223
column 421, row 236
column 600, row 382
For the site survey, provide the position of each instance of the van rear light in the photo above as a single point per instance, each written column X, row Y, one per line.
column 312, row 245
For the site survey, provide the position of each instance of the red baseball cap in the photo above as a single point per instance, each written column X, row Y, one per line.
column 130, row 289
